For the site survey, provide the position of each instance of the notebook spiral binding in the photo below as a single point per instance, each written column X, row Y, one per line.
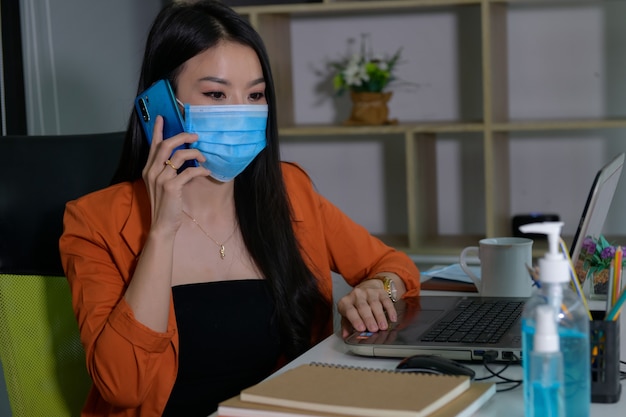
column 356, row 368
column 382, row 371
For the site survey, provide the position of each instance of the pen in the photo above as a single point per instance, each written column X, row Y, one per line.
column 615, row 310
column 611, row 283
column 615, row 278
column 616, row 287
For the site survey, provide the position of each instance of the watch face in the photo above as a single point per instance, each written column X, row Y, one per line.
column 394, row 291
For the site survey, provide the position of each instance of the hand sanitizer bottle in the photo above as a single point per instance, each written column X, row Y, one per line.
column 545, row 373
column 572, row 322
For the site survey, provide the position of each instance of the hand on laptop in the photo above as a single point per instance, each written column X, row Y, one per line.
column 368, row 306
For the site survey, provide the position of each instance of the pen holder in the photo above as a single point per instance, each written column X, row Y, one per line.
column 605, row 374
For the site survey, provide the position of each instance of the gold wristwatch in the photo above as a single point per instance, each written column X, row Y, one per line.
column 389, row 286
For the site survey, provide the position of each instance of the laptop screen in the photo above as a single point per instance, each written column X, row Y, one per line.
column 598, row 204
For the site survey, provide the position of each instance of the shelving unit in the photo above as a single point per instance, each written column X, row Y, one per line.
column 273, row 23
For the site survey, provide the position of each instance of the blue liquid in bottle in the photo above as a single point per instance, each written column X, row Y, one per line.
column 574, row 346
column 545, row 399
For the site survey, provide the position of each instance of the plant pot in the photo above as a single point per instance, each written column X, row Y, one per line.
column 370, row 109
column 598, row 284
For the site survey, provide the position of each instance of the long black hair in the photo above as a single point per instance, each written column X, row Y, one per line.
column 180, row 32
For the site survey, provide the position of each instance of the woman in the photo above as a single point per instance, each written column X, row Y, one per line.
column 189, row 288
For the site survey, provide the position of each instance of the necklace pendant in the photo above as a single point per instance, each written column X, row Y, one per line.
column 221, row 245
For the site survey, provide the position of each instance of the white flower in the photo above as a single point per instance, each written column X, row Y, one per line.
column 355, row 73
column 363, row 71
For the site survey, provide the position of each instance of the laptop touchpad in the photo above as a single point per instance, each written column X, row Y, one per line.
column 411, row 330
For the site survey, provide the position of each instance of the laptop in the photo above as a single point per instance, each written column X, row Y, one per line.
column 423, row 325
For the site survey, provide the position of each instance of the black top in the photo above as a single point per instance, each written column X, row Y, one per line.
column 228, row 339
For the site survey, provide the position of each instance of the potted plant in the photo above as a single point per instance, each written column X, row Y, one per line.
column 594, row 264
column 366, row 76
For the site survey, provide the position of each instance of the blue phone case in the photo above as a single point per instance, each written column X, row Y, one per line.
column 157, row 100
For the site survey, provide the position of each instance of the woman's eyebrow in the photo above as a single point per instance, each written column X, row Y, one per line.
column 218, row 80
column 215, row 80
column 255, row 82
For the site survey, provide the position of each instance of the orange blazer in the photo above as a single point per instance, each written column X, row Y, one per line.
column 134, row 367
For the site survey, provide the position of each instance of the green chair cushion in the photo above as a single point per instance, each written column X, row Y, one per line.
column 40, row 349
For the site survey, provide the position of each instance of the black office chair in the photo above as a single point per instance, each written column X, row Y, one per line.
column 38, row 175
column 40, row 349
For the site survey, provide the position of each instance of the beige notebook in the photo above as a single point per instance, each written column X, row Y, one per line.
column 357, row 391
column 465, row 405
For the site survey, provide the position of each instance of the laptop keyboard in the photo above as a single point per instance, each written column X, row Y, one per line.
column 476, row 321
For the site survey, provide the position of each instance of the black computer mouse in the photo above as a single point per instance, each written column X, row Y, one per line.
column 433, row 364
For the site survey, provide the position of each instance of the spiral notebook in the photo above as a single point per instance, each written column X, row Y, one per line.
column 351, row 391
column 465, row 405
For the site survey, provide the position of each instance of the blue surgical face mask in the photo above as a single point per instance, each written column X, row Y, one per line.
column 229, row 136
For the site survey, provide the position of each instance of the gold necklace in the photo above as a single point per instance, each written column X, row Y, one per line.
column 221, row 245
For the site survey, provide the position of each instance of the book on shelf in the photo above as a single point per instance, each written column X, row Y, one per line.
column 353, row 391
column 465, row 405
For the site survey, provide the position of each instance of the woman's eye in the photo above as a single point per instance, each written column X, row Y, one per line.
column 216, row 95
column 257, row 96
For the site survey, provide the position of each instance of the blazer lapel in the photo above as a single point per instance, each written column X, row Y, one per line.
column 135, row 230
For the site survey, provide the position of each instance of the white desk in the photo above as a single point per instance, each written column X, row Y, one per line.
column 509, row 403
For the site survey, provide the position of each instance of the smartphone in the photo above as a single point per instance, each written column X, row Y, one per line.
column 158, row 99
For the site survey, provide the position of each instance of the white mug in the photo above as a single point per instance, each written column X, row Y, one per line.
column 503, row 266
